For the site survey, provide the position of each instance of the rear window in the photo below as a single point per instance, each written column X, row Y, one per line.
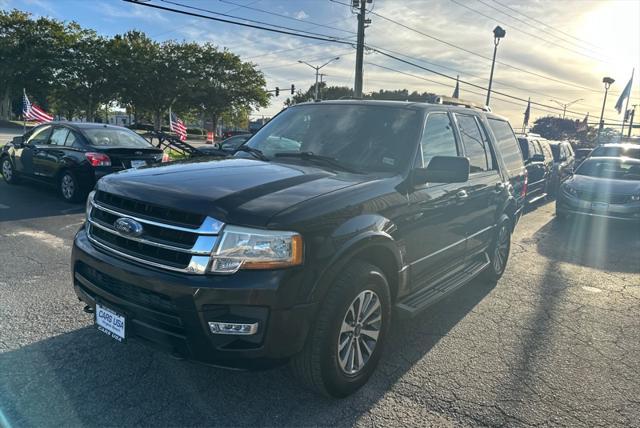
column 115, row 137
column 507, row 143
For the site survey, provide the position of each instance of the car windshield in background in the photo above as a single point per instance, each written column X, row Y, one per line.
column 631, row 152
column 610, row 168
column 114, row 137
column 361, row 137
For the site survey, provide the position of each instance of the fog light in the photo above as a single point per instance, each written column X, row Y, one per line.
column 233, row 328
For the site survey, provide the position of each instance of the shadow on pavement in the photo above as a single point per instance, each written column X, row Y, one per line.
column 84, row 378
column 594, row 243
column 29, row 200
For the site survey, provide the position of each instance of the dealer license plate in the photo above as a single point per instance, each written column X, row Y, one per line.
column 600, row 206
column 110, row 322
column 138, row 163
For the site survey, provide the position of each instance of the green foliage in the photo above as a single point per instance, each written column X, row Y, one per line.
column 73, row 71
column 340, row 92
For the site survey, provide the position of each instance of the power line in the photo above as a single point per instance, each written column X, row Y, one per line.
column 469, row 83
column 539, row 29
column 485, row 57
column 239, row 17
column 292, row 32
column 547, row 25
column 291, row 18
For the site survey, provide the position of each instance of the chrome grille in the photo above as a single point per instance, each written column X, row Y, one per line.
column 161, row 244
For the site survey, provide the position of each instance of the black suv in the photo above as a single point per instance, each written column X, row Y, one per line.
column 538, row 160
column 73, row 156
column 333, row 217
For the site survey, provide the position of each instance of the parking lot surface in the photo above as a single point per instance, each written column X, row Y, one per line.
column 555, row 342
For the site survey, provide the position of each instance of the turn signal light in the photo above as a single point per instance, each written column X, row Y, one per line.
column 525, row 185
column 98, row 159
column 166, row 158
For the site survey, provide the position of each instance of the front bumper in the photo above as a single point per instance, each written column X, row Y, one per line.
column 571, row 205
column 171, row 311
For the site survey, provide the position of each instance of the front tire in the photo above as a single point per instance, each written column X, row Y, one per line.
column 68, row 187
column 8, row 171
column 345, row 345
column 499, row 252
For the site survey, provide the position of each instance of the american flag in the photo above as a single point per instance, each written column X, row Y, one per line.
column 33, row 112
column 177, row 126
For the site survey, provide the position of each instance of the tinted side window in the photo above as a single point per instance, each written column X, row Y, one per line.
column 72, row 139
column 475, row 146
column 58, row 136
column 507, row 143
column 546, row 150
column 438, row 138
column 40, row 136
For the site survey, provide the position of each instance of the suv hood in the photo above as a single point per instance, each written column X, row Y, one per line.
column 236, row 191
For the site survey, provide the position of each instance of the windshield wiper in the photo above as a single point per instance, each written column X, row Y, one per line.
column 257, row 153
column 320, row 159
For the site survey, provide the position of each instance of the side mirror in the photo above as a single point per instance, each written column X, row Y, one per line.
column 442, row 169
column 537, row 158
column 18, row 141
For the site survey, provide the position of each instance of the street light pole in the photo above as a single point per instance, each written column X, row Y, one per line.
column 317, row 69
column 498, row 33
column 564, row 106
column 608, row 81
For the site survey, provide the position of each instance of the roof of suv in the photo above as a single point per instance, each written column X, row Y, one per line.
column 405, row 104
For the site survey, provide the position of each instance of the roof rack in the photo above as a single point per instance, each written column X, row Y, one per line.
column 450, row 101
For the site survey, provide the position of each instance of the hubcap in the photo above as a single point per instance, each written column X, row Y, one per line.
column 359, row 332
column 68, row 186
column 501, row 252
column 6, row 169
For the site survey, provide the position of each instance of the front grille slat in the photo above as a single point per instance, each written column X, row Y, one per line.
column 160, row 244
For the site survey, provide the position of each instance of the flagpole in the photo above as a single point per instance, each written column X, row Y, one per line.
column 24, row 116
column 626, row 107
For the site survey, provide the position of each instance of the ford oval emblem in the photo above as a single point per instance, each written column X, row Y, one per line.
column 128, row 226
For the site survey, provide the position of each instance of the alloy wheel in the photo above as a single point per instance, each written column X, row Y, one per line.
column 7, row 170
column 361, row 327
column 67, row 186
column 501, row 252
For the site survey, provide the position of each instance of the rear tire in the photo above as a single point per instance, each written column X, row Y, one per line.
column 8, row 171
column 344, row 346
column 499, row 252
column 69, row 187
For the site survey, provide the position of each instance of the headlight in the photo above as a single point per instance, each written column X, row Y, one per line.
column 570, row 190
column 635, row 198
column 88, row 207
column 244, row 248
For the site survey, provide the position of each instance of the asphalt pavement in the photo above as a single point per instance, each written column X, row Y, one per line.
column 555, row 342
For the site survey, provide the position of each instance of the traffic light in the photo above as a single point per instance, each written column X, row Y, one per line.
column 293, row 88
column 277, row 91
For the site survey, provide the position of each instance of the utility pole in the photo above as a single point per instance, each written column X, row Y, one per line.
column 608, row 81
column 361, row 7
column 317, row 69
column 321, row 76
column 564, row 106
column 498, row 33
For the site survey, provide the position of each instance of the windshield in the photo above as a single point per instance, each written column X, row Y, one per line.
column 115, row 137
column 610, row 168
column 362, row 137
column 631, row 152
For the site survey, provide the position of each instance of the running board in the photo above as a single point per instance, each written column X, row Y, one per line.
column 537, row 198
column 413, row 304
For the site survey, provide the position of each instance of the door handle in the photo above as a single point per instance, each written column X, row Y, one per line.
column 462, row 194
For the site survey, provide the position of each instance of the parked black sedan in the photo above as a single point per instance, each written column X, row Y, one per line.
column 73, row 156
column 605, row 187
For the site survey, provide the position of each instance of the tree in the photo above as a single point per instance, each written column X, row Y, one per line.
column 219, row 82
column 29, row 53
column 556, row 128
column 88, row 78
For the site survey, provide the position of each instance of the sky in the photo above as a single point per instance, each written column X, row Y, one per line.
column 553, row 50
